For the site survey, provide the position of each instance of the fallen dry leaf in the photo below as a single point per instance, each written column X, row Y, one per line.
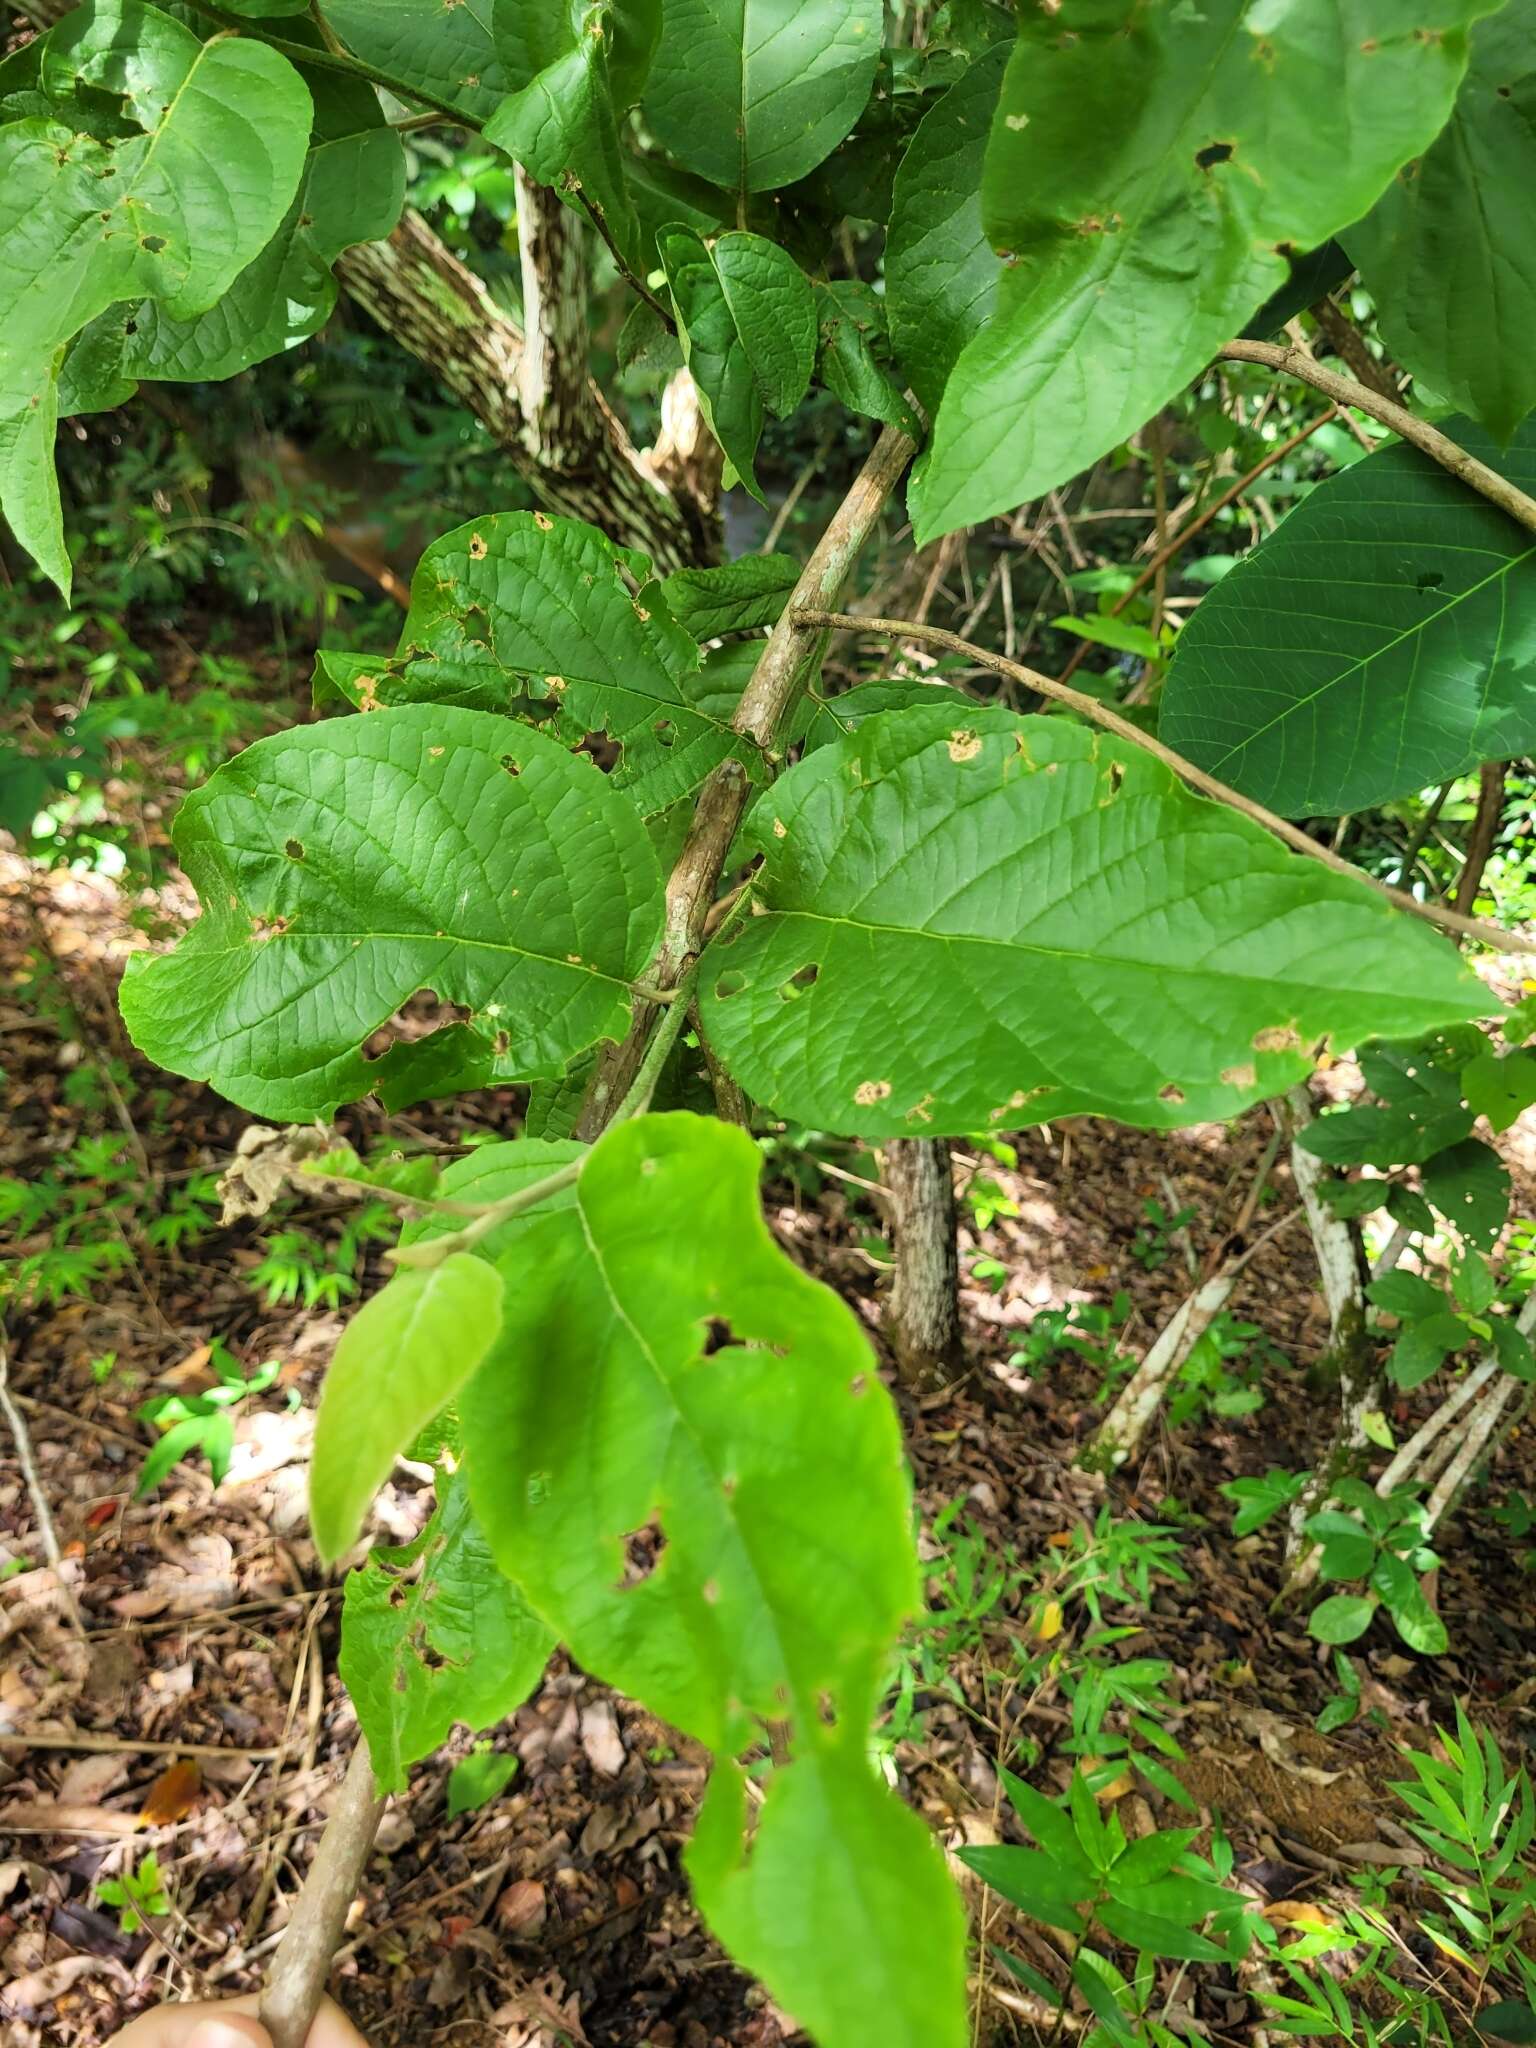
column 172, row 1795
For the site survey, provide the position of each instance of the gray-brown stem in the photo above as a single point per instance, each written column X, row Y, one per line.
column 922, row 1318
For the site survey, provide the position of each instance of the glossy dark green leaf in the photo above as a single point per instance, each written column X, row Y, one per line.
column 449, row 51
column 1448, row 252
column 752, row 94
column 1341, row 1618
column 433, row 1634
column 1512, row 2019
column 1033, row 1881
column 1316, row 705
column 1412, row 1616
column 747, row 318
column 941, row 270
column 404, row 1355
column 1154, row 1936
column 548, row 619
column 344, row 866
column 978, row 925
column 1142, row 179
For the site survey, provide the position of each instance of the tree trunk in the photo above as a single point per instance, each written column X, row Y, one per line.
column 922, row 1318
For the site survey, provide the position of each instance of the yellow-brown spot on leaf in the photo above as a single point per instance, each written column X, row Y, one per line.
column 555, row 683
column 435, row 753
column 964, row 745
column 780, row 829
column 477, row 548
column 641, row 613
column 1169, row 1093
column 367, row 693
column 871, row 1091
column 921, row 1112
column 1277, row 1038
column 543, row 522
column 1243, row 1076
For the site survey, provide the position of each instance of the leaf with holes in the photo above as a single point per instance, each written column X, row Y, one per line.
column 342, row 867
column 680, row 1449
column 941, row 270
column 1448, row 252
column 432, row 1635
column 980, row 926
column 1382, row 640
column 168, row 197
column 572, row 69
column 659, row 1357
column 747, row 318
column 752, row 94
column 352, row 191
column 402, row 1358
column 1470, row 1185
column 1418, row 1108
column 547, row 619
column 1144, row 182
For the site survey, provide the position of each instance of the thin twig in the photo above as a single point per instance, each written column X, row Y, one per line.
column 38, row 1497
column 1101, row 714
column 85, row 1743
column 1295, row 362
column 599, row 220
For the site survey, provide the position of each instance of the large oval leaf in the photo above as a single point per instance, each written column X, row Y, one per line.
column 752, row 94
column 983, row 925
column 1449, row 250
column 941, row 270
column 1382, row 639
column 519, row 609
column 449, row 51
column 342, row 867
column 1143, row 177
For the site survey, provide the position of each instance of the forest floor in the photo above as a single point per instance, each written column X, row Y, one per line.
column 192, row 1710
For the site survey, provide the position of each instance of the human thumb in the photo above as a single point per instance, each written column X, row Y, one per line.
column 229, row 2030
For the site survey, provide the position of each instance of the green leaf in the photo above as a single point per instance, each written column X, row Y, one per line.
column 1403, row 1597
column 1501, row 1089
column 680, row 1447
column 1469, row 1184
column 449, row 51
column 1066, row 884
column 1051, row 1825
column 1144, row 1861
column 732, row 597
column 479, row 1778
column 169, row 202
column 837, row 1900
column 1155, row 1936
column 560, row 118
column 600, row 1410
column 1512, row 2019
column 1423, row 1347
column 352, row 190
column 941, row 270
column 752, row 94
column 1142, row 177
column 1473, row 1284
column 1315, row 706
column 1418, row 1110
column 851, row 355
column 451, row 1642
column 1447, row 252
column 344, row 866
column 1107, row 631
column 404, row 1355
column 1406, row 1294
column 1260, row 1500
column 1514, row 1349
column 1037, row 1883
column 548, row 619
column 1342, row 1618
column 1348, row 1551
column 747, row 318
column 820, row 720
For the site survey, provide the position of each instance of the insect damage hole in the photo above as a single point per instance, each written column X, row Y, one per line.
column 294, row 848
column 1214, row 153
column 644, row 1549
column 805, row 978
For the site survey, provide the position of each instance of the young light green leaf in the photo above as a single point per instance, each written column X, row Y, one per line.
column 548, row 619
column 1105, row 630
column 404, row 1355
column 1501, row 1089
column 659, row 1358
column 747, row 317
column 1448, row 253
column 1070, row 886
column 479, row 1778
column 752, row 94
column 29, row 491
column 941, row 270
column 344, row 866
column 837, row 1899
column 1316, row 707
column 1342, row 1618
column 451, row 1642
column 1142, row 178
